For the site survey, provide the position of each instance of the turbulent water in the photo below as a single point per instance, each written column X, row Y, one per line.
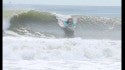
column 33, row 40
column 35, row 23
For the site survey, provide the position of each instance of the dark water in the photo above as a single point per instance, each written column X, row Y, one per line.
column 105, row 11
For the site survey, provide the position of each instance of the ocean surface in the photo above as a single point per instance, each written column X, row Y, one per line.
column 33, row 39
column 108, row 11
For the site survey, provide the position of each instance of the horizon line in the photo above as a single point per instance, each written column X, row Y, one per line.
column 59, row 4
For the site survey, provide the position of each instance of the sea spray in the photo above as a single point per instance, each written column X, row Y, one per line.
column 6, row 25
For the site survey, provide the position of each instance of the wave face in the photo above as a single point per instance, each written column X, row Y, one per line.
column 36, row 23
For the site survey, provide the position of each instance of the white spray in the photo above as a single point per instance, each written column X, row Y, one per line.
column 6, row 25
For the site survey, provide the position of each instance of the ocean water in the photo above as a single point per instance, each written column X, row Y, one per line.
column 33, row 40
column 108, row 11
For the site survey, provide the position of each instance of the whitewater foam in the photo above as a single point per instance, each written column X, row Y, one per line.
column 61, row 49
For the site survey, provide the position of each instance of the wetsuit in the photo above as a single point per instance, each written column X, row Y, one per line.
column 69, row 29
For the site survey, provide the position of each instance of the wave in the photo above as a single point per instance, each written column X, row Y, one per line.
column 34, row 23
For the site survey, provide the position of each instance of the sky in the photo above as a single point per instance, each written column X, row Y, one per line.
column 67, row 2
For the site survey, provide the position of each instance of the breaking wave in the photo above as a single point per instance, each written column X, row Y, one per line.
column 37, row 24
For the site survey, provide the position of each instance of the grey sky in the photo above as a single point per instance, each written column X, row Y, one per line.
column 67, row 2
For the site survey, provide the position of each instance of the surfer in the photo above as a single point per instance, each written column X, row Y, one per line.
column 68, row 26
